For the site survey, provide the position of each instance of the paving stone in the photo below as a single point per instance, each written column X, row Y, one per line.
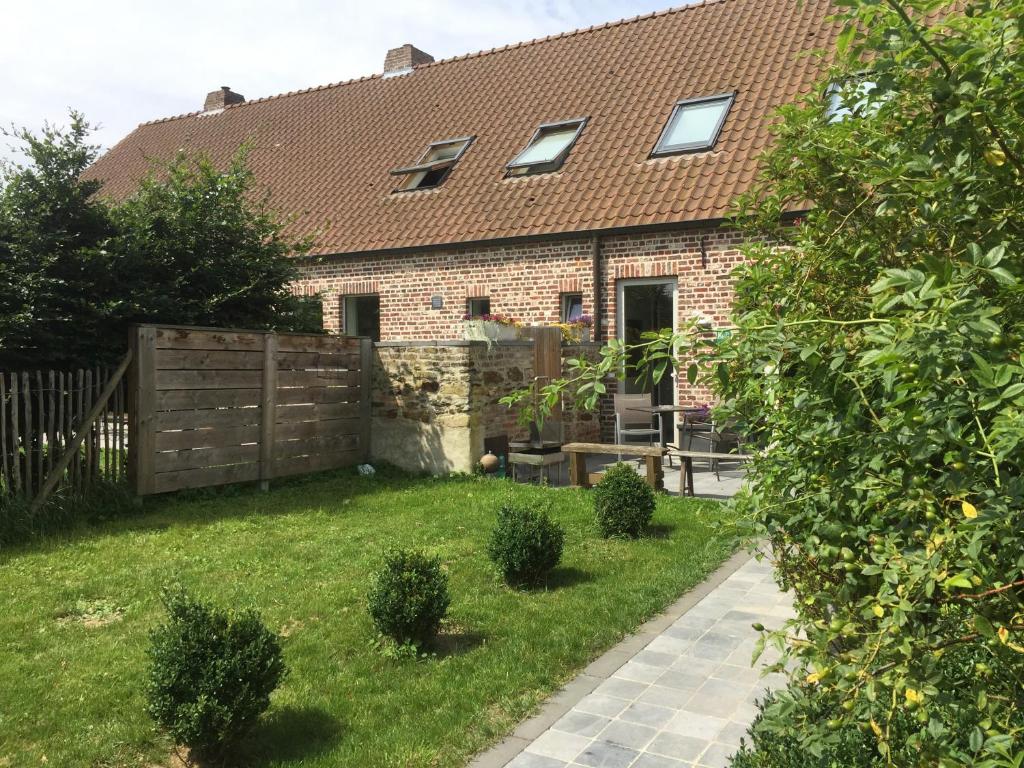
column 622, row 689
column 627, row 734
column 641, row 673
column 733, row 733
column 647, row 760
column 673, row 698
column 530, row 760
column 603, row 754
column 683, row 680
column 647, row 714
column 716, row 756
column 678, row 746
column 655, row 659
column 720, row 697
column 700, row 726
column 558, row 745
column 671, row 645
column 581, row 723
column 596, row 704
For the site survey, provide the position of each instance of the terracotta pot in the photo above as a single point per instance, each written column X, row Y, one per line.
column 489, row 463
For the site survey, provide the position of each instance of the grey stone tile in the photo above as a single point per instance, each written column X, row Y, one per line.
column 558, row 745
column 671, row 645
column 716, row 756
column 682, row 680
column 625, row 734
column 734, row 673
column 720, row 697
column 677, row 746
column 581, row 723
column 621, row 689
column 603, row 754
column 689, row 663
column 647, row 714
column 696, row 725
column 655, row 659
column 733, row 733
column 641, row 673
column 647, row 760
column 529, row 760
column 711, row 651
column 672, row 698
column 596, row 704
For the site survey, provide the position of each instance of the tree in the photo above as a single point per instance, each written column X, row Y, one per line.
column 195, row 245
column 876, row 358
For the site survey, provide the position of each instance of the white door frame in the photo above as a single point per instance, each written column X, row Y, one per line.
column 620, row 326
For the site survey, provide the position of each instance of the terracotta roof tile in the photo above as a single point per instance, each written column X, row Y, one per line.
column 324, row 153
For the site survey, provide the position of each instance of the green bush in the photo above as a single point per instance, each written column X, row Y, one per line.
column 409, row 597
column 211, row 676
column 624, row 502
column 525, row 544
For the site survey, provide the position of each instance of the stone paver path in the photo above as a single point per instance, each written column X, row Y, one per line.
column 685, row 699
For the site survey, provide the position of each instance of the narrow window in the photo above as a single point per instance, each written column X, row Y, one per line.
column 572, row 307
column 478, row 306
column 548, row 148
column 362, row 316
column 433, row 166
column 694, row 125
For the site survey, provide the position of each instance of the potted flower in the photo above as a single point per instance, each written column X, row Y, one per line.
column 585, row 324
column 490, row 328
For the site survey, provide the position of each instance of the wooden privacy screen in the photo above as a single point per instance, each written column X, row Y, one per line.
column 216, row 406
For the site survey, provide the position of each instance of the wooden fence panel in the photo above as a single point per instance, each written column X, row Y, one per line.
column 222, row 406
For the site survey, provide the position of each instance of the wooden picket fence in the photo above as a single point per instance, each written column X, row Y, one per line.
column 56, row 432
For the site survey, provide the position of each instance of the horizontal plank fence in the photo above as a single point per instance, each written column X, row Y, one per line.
column 215, row 406
column 57, row 430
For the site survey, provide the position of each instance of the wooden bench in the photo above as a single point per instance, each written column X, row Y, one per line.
column 578, row 452
column 687, row 457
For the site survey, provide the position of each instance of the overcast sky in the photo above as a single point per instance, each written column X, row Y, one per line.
column 122, row 62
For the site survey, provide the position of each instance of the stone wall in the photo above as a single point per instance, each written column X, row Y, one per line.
column 434, row 403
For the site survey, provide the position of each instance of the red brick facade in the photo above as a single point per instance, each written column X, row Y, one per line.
column 526, row 280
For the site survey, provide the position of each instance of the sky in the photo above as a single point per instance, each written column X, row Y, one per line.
column 123, row 62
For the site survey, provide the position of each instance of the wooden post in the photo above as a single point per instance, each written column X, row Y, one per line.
column 143, row 426
column 15, row 456
column 578, row 470
column 655, row 477
column 268, row 410
column 26, row 397
column 5, row 474
column 365, row 393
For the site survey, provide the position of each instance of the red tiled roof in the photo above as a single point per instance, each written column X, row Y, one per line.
column 324, row 154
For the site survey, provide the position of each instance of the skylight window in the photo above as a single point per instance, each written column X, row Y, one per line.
column 694, row 124
column 433, row 166
column 548, row 148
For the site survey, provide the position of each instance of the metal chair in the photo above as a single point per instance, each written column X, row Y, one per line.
column 630, row 423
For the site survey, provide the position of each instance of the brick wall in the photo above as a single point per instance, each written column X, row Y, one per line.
column 526, row 280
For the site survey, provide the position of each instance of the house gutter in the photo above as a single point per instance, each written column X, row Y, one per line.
column 595, row 263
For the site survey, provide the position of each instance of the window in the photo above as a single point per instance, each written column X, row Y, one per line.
column 433, row 166
column 547, row 149
column 694, row 125
column 477, row 307
column 362, row 316
column 572, row 307
column 850, row 98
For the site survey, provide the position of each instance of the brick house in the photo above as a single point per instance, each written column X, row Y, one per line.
column 584, row 173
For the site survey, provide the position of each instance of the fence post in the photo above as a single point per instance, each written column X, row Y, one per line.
column 142, row 426
column 365, row 387
column 268, row 410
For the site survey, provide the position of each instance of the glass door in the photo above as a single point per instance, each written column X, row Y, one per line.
column 648, row 305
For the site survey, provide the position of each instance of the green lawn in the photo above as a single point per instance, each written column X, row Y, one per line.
column 75, row 614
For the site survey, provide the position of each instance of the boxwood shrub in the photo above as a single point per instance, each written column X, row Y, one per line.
column 624, row 503
column 525, row 544
column 409, row 597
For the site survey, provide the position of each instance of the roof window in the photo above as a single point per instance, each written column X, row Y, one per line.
column 548, row 148
column 433, row 166
column 694, row 124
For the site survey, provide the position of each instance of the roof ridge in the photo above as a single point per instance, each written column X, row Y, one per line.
column 699, row 4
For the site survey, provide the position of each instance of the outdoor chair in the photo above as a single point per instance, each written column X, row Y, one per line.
column 633, row 424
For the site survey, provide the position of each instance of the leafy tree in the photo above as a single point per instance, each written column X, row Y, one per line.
column 876, row 359
column 194, row 246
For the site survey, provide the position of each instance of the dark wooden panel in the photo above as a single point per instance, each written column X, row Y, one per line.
column 206, row 457
column 303, row 464
column 319, row 377
column 208, row 379
column 181, row 338
column 201, row 478
column 208, row 359
column 207, row 419
column 186, row 399
column 303, row 360
column 315, row 411
column 317, row 395
column 315, row 446
column 300, row 343
column 324, row 428
column 207, row 438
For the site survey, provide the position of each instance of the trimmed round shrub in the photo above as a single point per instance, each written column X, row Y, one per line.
column 525, row 544
column 409, row 597
column 624, row 503
column 211, row 675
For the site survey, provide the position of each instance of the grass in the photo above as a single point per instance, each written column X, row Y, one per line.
column 75, row 615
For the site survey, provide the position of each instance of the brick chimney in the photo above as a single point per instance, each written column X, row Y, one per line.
column 401, row 60
column 221, row 98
